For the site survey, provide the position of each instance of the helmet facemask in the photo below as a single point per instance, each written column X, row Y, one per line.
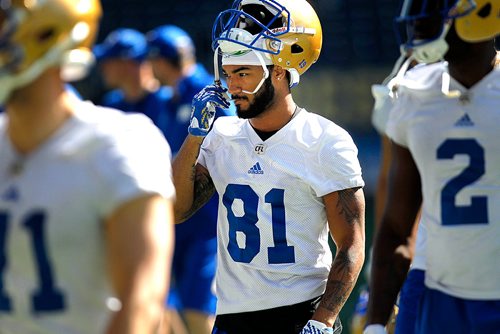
column 423, row 25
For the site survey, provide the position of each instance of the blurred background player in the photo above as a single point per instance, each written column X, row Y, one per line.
column 126, row 71
column 173, row 57
column 443, row 123
column 384, row 95
column 287, row 178
column 85, row 193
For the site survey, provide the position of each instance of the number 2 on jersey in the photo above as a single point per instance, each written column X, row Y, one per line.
column 477, row 211
column 247, row 224
column 47, row 298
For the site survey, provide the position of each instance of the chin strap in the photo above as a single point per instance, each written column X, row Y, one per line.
column 433, row 51
column 445, row 86
column 216, row 67
column 265, row 74
column 398, row 67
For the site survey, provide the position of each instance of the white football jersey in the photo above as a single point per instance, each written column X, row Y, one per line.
column 454, row 141
column 418, row 78
column 385, row 96
column 272, row 226
column 52, row 206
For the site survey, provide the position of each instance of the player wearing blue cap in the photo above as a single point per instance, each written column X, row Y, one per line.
column 172, row 54
column 123, row 65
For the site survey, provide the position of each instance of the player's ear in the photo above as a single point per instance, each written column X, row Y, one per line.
column 278, row 73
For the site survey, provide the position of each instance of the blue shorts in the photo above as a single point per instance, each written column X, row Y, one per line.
column 409, row 299
column 441, row 313
column 193, row 272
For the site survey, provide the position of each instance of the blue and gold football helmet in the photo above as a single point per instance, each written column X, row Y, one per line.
column 38, row 34
column 481, row 24
column 288, row 32
column 423, row 24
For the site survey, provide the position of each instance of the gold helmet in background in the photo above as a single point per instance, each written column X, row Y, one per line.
column 482, row 24
column 38, row 34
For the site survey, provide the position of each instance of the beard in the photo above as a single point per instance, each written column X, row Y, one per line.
column 261, row 102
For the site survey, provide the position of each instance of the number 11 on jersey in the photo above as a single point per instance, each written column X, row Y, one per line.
column 47, row 297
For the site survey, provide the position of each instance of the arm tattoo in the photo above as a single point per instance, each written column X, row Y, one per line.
column 340, row 283
column 204, row 189
column 347, row 205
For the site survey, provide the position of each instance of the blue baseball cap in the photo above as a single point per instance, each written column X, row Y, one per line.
column 170, row 42
column 122, row 43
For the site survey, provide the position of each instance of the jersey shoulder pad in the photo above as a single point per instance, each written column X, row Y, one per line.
column 423, row 77
column 228, row 126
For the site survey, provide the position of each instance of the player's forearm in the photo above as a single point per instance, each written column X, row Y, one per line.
column 140, row 239
column 183, row 168
column 136, row 317
column 389, row 268
column 142, row 301
column 342, row 279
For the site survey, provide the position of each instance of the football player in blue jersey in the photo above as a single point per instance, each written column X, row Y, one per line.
column 86, row 192
column 287, row 178
column 173, row 57
column 125, row 69
column 442, row 127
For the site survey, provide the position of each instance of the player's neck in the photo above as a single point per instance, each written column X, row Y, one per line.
column 276, row 116
column 473, row 69
column 36, row 111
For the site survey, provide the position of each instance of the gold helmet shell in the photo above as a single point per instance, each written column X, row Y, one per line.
column 287, row 33
column 482, row 24
column 38, row 34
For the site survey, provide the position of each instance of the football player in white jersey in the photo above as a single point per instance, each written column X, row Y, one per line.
column 443, row 129
column 86, row 194
column 384, row 95
column 286, row 178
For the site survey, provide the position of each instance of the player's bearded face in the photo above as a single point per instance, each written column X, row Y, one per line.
column 261, row 101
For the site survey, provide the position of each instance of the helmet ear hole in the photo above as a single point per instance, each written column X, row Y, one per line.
column 485, row 11
column 296, row 48
column 481, row 23
column 45, row 35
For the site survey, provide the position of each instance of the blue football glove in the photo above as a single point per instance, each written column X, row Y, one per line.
column 203, row 109
column 316, row 327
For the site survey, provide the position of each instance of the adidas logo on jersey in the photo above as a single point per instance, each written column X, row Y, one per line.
column 256, row 169
column 464, row 121
column 11, row 194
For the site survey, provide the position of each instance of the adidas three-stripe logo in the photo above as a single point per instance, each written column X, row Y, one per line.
column 11, row 194
column 464, row 121
column 256, row 169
